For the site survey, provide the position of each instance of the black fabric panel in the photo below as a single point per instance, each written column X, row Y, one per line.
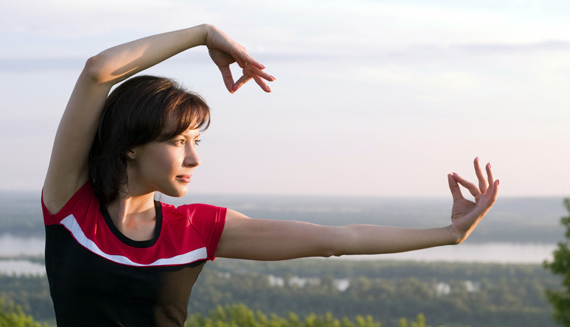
column 89, row 290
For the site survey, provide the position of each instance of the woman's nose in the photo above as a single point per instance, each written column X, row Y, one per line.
column 192, row 159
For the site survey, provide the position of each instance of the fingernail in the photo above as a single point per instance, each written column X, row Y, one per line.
column 273, row 77
column 498, row 181
column 262, row 67
column 269, row 89
column 477, row 159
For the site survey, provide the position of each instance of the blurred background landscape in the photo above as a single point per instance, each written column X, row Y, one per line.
column 495, row 278
column 374, row 103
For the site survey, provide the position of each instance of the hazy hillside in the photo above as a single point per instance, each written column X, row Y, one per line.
column 511, row 220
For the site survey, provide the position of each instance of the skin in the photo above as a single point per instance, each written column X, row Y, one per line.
column 257, row 239
column 167, row 166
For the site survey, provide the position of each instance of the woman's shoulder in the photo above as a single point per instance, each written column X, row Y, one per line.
column 189, row 211
column 82, row 200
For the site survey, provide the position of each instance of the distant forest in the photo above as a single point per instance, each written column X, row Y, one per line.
column 532, row 220
column 237, row 315
column 449, row 294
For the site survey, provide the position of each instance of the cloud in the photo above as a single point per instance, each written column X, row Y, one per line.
column 505, row 48
column 68, row 18
column 27, row 128
column 36, row 64
column 412, row 53
column 397, row 75
column 61, row 63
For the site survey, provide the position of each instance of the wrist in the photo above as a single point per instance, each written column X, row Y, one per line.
column 206, row 31
column 454, row 237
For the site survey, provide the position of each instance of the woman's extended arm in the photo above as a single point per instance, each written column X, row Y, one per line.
column 258, row 239
column 68, row 168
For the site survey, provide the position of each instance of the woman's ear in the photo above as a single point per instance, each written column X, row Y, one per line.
column 131, row 154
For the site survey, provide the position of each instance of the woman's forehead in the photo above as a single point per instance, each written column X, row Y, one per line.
column 172, row 125
column 191, row 132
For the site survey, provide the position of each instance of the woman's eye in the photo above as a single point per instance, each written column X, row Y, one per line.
column 181, row 142
column 197, row 142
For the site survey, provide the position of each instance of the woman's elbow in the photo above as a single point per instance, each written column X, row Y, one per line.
column 93, row 69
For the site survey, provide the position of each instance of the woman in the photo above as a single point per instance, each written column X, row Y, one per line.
column 114, row 256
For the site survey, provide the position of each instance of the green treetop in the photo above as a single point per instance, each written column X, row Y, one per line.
column 12, row 315
column 560, row 299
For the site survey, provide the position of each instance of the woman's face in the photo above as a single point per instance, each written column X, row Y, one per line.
column 164, row 166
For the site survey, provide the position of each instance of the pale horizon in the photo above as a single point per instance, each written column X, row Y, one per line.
column 378, row 99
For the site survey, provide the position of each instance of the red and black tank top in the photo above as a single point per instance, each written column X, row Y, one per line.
column 99, row 277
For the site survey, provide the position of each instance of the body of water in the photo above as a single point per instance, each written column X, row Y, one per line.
column 516, row 230
column 497, row 252
column 16, row 245
column 20, row 267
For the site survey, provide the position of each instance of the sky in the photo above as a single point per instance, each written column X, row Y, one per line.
column 372, row 98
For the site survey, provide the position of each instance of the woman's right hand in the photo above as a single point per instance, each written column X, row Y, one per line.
column 466, row 214
column 224, row 51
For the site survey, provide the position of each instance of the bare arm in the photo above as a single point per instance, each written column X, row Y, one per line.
column 261, row 239
column 258, row 239
column 68, row 168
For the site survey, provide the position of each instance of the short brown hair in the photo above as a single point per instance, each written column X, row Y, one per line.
column 138, row 112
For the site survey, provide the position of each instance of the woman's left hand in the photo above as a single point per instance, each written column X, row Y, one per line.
column 224, row 51
column 465, row 214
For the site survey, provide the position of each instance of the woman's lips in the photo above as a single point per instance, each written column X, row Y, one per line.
column 184, row 178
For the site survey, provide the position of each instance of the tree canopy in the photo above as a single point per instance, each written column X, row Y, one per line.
column 241, row 315
column 560, row 265
column 11, row 315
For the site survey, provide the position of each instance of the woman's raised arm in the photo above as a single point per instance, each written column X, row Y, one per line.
column 258, row 239
column 68, row 167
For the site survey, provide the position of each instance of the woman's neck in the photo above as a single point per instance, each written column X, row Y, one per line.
column 134, row 216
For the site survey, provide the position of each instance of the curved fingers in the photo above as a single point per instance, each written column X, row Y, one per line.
column 249, row 72
column 454, row 188
column 261, row 83
column 480, row 177
column 490, row 177
column 255, row 71
column 241, row 60
column 228, row 78
column 487, row 202
column 468, row 185
column 251, row 69
column 240, row 82
column 224, row 51
column 494, row 192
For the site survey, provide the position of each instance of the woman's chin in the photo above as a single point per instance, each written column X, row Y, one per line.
column 177, row 193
